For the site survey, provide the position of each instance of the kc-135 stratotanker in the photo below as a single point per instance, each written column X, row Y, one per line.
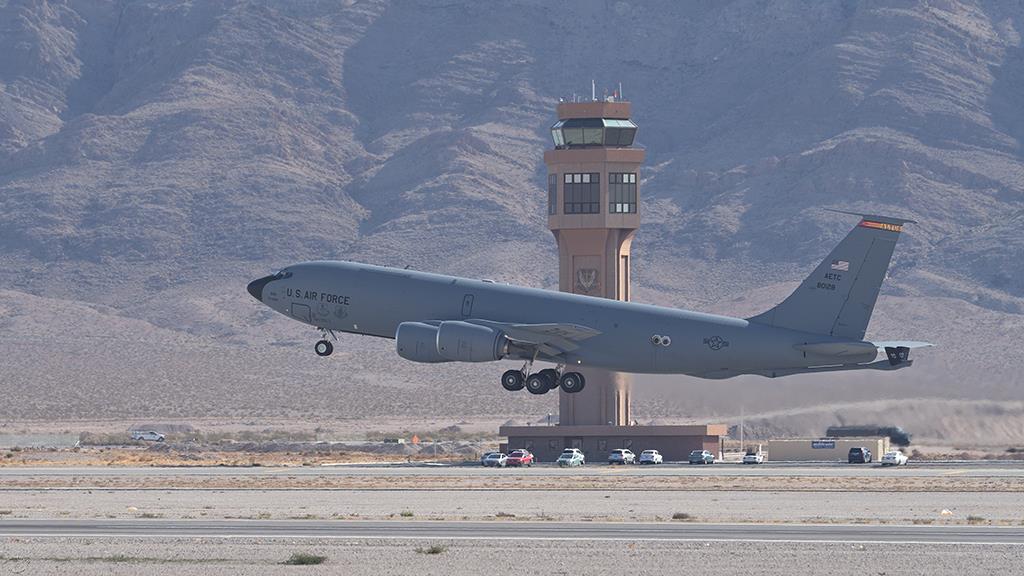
column 433, row 318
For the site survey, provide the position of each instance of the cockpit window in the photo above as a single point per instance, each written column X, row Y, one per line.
column 282, row 275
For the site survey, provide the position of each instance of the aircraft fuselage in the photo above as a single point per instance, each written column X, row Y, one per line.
column 372, row 300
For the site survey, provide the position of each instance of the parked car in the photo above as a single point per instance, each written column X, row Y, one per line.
column 494, row 459
column 894, row 458
column 622, row 456
column 147, row 435
column 571, row 457
column 520, row 458
column 651, row 457
column 859, row 455
column 753, row 457
column 702, row 457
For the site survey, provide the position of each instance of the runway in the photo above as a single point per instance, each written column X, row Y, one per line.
column 514, row 530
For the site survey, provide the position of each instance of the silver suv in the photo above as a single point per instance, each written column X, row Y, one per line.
column 571, row 457
column 622, row 456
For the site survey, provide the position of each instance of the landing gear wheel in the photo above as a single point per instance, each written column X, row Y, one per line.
column 537, row 384
column 552, row 375
column 512, row 380
column 323, row 348
column 572, row 382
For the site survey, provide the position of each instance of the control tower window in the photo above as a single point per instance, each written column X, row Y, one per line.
column 552, row 194
column 590, row 132
column 556, row 134
column 593, row 137
column 619, row 132
column 622, row 193
column 582, row 193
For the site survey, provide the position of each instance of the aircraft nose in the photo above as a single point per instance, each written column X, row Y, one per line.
column 256, row 287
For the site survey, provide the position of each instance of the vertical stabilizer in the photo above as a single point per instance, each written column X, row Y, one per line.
column 838, row 297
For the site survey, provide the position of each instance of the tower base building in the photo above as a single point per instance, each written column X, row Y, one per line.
column 673, row 442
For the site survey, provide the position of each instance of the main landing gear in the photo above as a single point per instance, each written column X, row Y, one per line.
column 324, row 347
column 543, row 381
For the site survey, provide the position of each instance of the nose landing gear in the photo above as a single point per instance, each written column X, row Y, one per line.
column 324, row 347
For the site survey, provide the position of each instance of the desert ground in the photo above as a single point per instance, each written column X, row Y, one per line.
column 971, row 496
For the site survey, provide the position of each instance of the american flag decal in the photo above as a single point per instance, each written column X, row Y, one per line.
column 841, row 265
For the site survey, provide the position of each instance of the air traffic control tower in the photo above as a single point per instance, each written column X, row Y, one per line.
column 594, row 212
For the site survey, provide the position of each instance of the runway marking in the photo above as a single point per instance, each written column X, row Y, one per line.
column 579, row 531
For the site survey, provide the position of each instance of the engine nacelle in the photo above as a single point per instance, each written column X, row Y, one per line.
column 417, row 341
column 465, row 342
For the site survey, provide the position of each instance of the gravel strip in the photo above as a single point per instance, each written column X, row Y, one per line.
column 85, row 557
column 903, row 507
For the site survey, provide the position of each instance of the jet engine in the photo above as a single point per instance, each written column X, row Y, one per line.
column 417, row 341
column 465, row 342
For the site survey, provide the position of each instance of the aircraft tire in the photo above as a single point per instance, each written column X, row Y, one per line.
column 572, row 382
column 512, row 380
column 537, row 384
column 323, row 348
column 552, row 375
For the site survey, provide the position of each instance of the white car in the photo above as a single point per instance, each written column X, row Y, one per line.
column 622, row 456
column 753, row 458
column 651, row 457
column 894, row 458
column 147, row 435
column 571, row 457
column 494, row 459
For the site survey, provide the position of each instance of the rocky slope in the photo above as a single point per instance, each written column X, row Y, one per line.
column 155, row 156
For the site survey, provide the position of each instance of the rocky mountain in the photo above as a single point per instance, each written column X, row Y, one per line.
column 156, row 155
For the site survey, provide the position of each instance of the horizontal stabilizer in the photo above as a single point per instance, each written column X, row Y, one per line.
column 902, row 344
column 880, row 365
column 839, row 349
column 780, row 372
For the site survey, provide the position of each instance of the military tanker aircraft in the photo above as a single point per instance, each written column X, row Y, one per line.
column 434, row 319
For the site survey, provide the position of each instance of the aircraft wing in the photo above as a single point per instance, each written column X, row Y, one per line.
column 549, row 339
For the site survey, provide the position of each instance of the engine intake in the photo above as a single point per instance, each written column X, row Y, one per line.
column 417, row 342
column 465, row 342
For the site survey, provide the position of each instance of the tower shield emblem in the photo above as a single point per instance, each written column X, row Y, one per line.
column 586, row 280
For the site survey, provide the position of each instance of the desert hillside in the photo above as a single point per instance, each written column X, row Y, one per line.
column 155, row 156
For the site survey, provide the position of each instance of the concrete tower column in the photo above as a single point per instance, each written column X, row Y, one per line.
column 593, row 212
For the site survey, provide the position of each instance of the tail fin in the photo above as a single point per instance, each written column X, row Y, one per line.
column 838, row 297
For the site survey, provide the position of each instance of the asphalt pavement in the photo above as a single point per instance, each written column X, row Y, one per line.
column 964, row 469
column 514, row 530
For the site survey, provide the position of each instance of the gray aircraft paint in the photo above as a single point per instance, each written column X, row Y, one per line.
column 818, row 328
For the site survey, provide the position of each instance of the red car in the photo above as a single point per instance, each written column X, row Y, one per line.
column 520, row 458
